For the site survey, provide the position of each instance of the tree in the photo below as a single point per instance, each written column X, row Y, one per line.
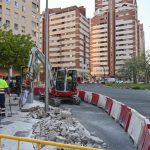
column 147, row 66
column 137, row 67
column 14, row 49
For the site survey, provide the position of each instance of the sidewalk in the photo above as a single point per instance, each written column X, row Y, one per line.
column 18, row 125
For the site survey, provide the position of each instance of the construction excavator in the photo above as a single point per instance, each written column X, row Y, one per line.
column 59, row 88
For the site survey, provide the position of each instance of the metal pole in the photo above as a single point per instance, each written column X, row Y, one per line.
column 104, row 73
column 46, row 55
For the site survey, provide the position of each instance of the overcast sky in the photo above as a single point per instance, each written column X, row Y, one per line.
column 143, row 11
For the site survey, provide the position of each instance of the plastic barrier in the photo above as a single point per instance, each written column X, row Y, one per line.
column 95, row 98
column 136, row 125
column 38, row 90
column 88, row 97
column 108, row 106
column 116, row 109
column 146, row 145
column 125, row 116
column 102, row 101
column 81, row 94
column 144, row 140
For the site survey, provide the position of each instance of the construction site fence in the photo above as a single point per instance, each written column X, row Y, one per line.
column 42, row 143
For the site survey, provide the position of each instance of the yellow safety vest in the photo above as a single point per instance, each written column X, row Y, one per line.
column 69, row 78
column 3, row 86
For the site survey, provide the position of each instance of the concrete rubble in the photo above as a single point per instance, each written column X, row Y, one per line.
column 58, row 125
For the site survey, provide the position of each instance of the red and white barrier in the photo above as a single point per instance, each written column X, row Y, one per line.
column 88, row 97
column 38, row 90
column 81, row 94
column 144, row 140
column 95, row 98
column 108, row 106
column 125, row 116
column 136, row 125
column 102, row 101
column 116, row 109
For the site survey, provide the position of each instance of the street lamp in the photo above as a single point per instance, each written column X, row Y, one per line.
column 46, row 55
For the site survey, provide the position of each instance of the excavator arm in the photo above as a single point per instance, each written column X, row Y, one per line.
column 36, row 57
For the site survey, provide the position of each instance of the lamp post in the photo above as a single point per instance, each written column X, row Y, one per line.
column 46, row 55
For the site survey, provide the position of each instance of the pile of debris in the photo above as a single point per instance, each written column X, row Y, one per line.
column 59, row 125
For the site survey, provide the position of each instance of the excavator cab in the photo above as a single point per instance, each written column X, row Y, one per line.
column 66, row 80
column 65, row 87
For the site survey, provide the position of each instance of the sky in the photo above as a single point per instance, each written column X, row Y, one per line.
column 143, row 12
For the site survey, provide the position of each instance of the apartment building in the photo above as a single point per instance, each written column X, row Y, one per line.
column 21, row 16
column 68, row 38
column 116, row 35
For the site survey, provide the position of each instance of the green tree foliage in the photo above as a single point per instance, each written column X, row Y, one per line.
column 136, row 68
column 14, row 49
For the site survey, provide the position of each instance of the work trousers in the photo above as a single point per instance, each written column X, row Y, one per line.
column 2, row 105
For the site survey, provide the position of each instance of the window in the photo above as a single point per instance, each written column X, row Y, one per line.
column 16, row 15
column 16, row 4
column 8, row 1
column 33, row 24
column 34, row 33
column 7, row 12
column 23, row 8
column 34, row 14
column 7, row 23
column 23, row 19
column 23, row 29
column 33, row 5
column 16, row 26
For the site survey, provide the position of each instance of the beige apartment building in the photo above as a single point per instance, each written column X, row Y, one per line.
column 68, row 38
column 116, row 35
column 21, row 16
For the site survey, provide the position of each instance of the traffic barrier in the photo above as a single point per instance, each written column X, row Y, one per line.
column 144, row 140
column 95, row 98
column 146, row 145
column 40, row 143
column 38, row 90
column 136, row 126
column 81, row 94
column 102, row 101
column 125, row 116
column 116, row 109
column 108, row 106
column 88, row 97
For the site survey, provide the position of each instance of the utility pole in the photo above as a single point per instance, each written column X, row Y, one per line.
column 46, row 55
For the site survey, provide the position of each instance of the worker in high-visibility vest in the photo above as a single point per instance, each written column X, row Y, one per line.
column 3, row 89
column 69, row 82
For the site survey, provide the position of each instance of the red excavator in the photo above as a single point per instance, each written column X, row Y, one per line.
column 60, row 88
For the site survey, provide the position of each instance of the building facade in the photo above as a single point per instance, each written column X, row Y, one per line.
column 69, row 35
column 116, row 35
column 21, row 16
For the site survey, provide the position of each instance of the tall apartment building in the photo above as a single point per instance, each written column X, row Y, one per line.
column 116, row 35
column 21, row 16
column 68, row 38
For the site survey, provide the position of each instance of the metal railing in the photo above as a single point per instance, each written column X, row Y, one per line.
column 60, row 146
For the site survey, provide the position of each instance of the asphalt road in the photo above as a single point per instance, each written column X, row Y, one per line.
column 137, row 99
column 97, row 121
